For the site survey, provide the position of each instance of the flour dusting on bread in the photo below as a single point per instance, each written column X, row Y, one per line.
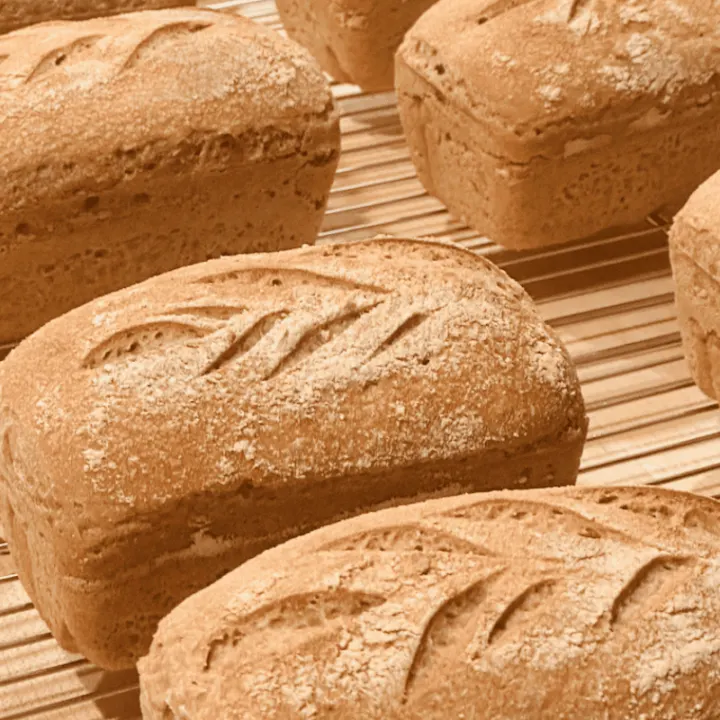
column 592, row 603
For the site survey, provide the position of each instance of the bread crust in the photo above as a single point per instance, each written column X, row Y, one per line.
column 175, row 429
column 593, row 603
column 695, row 257
column 150, row 141
column 353, row 40
column 602, row 111
column 15, row 14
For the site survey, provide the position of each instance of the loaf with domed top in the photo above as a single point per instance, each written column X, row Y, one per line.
column 154, row 439
column 543, row 121
column 135, row 144
column 563, row 604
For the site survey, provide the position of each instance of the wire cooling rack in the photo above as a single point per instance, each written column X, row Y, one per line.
column 609, row 298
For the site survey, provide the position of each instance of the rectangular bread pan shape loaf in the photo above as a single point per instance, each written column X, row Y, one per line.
column 135, row 144
column 543, row 121
column 154, row 439
column 610, row 300
column 695, row 254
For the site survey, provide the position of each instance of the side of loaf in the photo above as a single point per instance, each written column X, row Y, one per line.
column 151, row 141
column 577, row 603
column 15, row 14
column 695, row 257
column 544, row 121
column 157, row 438
column 353, row 40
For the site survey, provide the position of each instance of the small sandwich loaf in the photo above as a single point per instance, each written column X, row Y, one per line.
column 135, row 144
column 353, row 40
column 543, row 121
column 15, row 14
column 157, row 438
column 695, row 256
column 572, row 604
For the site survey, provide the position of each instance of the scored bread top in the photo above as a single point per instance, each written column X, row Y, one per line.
column 697, row 227
column 560, row 76
column 86, row 104
column 260, row 370
column 600, row 604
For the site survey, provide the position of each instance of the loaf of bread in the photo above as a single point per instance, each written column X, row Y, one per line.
column 695, row 257
column 353, row 40
column 157, row 438
column 541, row 121
column 135, row 144
column 572, row 604
column 15, row 14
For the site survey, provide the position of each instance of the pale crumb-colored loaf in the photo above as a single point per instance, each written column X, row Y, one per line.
column 570, row 604
column 157, row 438
column 353, row 40
column 15, row 14
column 695, row 256
column 542, row 121
column 134, row 144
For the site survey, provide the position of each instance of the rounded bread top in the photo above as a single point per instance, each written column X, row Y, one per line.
column 559, row 76
column 260, row 370
column 593, row 603
column 80, row 102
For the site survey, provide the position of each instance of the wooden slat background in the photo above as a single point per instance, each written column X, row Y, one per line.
column 609, row 298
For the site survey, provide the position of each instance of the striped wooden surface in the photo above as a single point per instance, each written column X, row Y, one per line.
column 609, row 298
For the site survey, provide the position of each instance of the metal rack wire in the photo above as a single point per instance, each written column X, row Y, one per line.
column 609, row 298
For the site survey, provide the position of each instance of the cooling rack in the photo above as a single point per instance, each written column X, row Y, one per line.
column 610, row 299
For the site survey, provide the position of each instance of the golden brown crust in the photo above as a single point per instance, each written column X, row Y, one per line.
column 15, row 14
column 151, row 141
column 697, row 227
column 605, row 111
column 695, row 256
column 563, row 70
column 599, row 604
column 353, row 40
column 277, row 392
column 242, row 346
column 154, row 78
